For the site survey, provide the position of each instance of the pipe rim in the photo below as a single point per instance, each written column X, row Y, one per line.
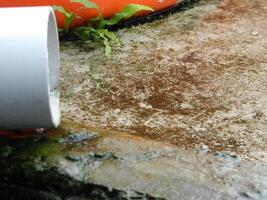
column 53, row 56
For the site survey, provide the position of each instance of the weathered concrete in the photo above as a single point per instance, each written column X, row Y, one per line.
column 180, row 109
column 86, row 163
column 197, row 77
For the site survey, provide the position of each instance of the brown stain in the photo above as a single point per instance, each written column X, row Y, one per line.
column 227, row 9
column 17, row 135
column 164, row 76
column 105, row 135
column 165, row 92
column 184, row 139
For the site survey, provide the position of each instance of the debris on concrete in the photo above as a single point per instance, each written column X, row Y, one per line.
column 78, row 137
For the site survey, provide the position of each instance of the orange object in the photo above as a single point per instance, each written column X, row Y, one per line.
column 17, row 135
column 107, row 7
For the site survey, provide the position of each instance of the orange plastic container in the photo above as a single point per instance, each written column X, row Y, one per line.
column 107, row 7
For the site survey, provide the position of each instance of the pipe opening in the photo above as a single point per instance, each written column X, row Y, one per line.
column 54, row 67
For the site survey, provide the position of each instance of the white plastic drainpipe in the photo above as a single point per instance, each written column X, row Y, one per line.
column 29, row 68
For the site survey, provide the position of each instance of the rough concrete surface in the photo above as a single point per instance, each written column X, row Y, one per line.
column 197, row 77
column 84, row 163
column 179, row 111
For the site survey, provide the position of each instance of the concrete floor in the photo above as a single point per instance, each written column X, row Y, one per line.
column 194, row 78
column 179, row 111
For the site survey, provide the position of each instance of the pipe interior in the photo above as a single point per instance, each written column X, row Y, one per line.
column 53, row 62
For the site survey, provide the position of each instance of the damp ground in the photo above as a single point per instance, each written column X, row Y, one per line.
column 194, row 78
column 179, row 111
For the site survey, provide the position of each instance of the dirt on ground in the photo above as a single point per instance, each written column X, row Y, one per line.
column 197, row 78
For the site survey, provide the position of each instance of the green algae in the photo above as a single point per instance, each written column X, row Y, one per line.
column 26, row 169
column 31, row 148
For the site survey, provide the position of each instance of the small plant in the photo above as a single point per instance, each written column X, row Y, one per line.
column 68, row 18
column 96, row 28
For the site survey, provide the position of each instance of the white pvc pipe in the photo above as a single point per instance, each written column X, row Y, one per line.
column 29, row 68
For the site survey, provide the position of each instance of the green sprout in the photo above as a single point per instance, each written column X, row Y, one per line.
column 68, row 18
column 96, row 28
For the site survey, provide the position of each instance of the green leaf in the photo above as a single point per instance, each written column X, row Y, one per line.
column 60, row 9
column 84, row 33
column 89, row 4
column 63, row 11
column 105, row 40
column 95, row 30
column 111, row 36
column 108, row 48
column 67, row 22
column 127, row 12
column 68, row 17
column 86, row 3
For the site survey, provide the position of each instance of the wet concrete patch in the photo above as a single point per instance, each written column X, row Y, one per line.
column 78, row 137
column 121, row 166
column 187, row 95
